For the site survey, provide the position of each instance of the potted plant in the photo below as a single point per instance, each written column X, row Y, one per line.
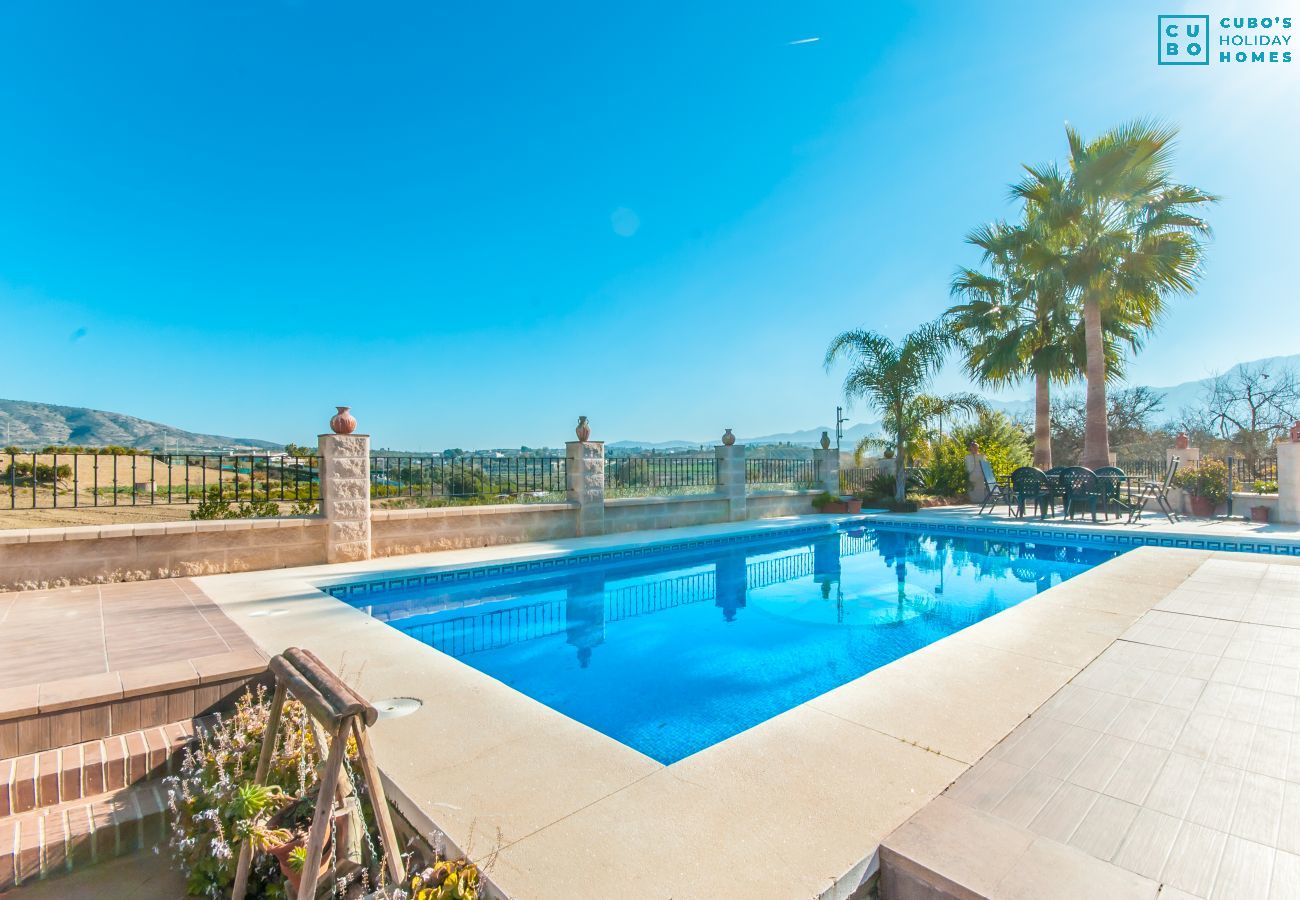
column 1259, row 514
column 294, row 823
column 1206, row 485
column 826, row 502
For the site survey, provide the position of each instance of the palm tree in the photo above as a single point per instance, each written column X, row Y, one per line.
column 892, row 377
column 1016, row 321
column 1129, row 239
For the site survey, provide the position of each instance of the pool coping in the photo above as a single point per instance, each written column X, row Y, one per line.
column 795, row 806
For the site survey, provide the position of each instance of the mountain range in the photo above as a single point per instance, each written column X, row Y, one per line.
column 30, row 424
column 1176, row 397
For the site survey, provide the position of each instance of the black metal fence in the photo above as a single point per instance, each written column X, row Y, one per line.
column 797, row 472
column 1153, row 469
column 73, row 480
column 1245, row 473
column 669, row 474
column 857, row 479
column 467, row 478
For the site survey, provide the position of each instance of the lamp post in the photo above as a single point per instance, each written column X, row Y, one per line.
column 839, row 426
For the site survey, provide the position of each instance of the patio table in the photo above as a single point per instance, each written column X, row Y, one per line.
column 1114, row 489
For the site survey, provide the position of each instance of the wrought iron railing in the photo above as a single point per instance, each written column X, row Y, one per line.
column 857, row 479
column 798, row 472
column 74, row 480
column 1245, row 472
column 669, row 474
column 467, row 478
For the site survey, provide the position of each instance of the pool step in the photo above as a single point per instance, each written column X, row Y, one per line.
column 53, row 840
column 93, row 768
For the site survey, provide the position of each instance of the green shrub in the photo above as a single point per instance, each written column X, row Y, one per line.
column 19, row 471
column 1005, row 444
column 1209, row 479
column 878, row 486
column 214, row 506
column 1265, row 487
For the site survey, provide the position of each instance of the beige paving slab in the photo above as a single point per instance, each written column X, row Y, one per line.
column 913, row 698
column 1184, row 724
column 735, row 807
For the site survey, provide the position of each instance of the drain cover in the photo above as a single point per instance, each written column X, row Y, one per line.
column 396, row 707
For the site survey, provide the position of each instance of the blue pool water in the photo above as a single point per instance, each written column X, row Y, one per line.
column 675, row 651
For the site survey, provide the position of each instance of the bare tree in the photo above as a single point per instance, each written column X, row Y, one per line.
column 1129, row 416
column 1251, row 407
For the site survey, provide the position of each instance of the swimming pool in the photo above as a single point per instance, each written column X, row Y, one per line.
column 672, row 650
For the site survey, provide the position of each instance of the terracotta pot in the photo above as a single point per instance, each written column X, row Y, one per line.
column 583, row 431
column 1201, row 506
column 1182, row 442
column 1259, row 514
column 343, row 421
column 728, row 439
column 826, row 441
column 852, row 506
column 281, row 854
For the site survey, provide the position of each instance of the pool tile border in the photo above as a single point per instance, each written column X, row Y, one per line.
column 471, row 572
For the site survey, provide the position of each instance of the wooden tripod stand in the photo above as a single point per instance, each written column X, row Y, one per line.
column 342, row 712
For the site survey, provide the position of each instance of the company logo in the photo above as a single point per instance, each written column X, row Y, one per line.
column 1184, row 40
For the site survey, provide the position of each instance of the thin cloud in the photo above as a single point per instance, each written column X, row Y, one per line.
column 811, row 40
column 78, row 334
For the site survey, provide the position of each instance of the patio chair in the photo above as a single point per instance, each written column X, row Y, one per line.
column 1055, row 480
column 1082, row 489
column 1112, row 480
column 1157, row 491
column 1028, row 483
column 994, row 490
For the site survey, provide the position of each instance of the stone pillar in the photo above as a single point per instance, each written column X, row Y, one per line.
column 731, row 479
column 1288, row 482
column 828, row 468
column 345, row 495
column 586, row 484
column 1188, row 455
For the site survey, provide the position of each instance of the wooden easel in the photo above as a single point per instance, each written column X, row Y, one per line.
column 341, row 711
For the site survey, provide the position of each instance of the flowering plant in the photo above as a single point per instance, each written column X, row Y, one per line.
column 214, row 806
column 448, row 879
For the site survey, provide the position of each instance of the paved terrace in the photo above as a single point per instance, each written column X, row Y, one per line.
column 1169, row 765
column 1130, row 731
column 798, row 805
column 110, row 651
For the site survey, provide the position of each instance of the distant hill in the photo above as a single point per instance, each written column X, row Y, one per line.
column 28, row 424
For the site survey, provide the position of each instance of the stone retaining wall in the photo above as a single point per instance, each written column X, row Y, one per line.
column 87, row 554
column 398, row 531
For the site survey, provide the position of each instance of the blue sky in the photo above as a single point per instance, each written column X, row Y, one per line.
column 473, row 223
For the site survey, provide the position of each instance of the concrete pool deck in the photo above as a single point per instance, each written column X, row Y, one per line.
column 794, row 807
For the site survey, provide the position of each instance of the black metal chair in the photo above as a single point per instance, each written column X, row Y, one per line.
column 994, row 490
column 1112, row 480
column 1082, row 489
column 1055, row 479
column 1028, row 483
column 1157, row 491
